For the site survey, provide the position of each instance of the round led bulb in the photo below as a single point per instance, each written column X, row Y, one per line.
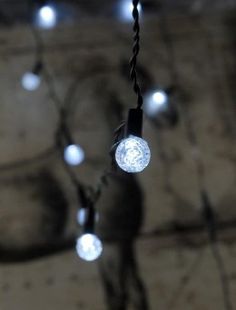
column 30, row 81
column 89, row 247
column 133, row 154
column 155, row 102
column 46, row 17
column 73, row 154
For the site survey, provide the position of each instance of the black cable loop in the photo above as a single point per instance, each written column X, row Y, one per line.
column 135, row 49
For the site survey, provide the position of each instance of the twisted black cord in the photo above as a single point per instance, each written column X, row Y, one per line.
column 208, row 212
column 223, row 276
column 133, row 60
column 209, row 217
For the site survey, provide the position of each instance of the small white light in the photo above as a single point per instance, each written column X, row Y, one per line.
column 89, row 247
column 46, row 17
column 126, row 9
column 82, row 215
column 133, row 154
column 155, row 102
column 73, row 154
column 30, row 81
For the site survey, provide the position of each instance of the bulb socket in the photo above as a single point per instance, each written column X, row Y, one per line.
column 134, row 124
column 90, row 220
column 37, row 67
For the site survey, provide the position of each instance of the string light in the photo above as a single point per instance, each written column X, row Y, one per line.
column 132, row 153
column 74, row 154
column 89, row 247
column 31, row 80
column 155, row 102
column 46, row 17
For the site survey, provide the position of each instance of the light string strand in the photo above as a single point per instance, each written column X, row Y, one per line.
column 207, row 210
column 135, row 49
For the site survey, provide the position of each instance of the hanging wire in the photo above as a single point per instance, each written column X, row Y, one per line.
column 209, row 216
column 43, row 155
column 136, row 48
column 207, row 210
column 88, row 195
column 119, row 132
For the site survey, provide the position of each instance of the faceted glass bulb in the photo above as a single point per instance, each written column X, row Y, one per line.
column 155, row 102
column 89, row 247
column 30, row 81
column 133, row 154
column 73, row 154
column 46, row 17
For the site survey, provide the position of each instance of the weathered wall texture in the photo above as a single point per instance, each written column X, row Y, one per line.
column 177, row 277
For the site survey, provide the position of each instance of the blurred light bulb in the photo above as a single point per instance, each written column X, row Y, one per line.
column 133, row 154
column 73, row 154
column 89, row 247
column 30, row 81
column 82, row 215
column 126, row 9
column 46, row 17
column 155, row 102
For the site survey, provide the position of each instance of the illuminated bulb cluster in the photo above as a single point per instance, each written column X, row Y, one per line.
column 133, row 154
column 46, row 17
column 30, row 81
column 126, row 8
column 74, row 154
column 155, row 102
column 89, row 247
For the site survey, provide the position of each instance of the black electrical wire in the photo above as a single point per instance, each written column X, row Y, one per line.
column 207, row 209
column 120, row 131
column 209, row 217
column 45, row 154
column 136, row 48
column 223, row 276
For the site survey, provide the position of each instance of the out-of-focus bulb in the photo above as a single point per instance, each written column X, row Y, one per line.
column 82, row 215
column 155, row 102
column 73, row 154
column 30, row 81
column 133, row 154
column 46, row 17
column 126, row 9
column 89, row 247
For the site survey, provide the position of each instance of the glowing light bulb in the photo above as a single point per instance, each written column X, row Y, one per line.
column 46, row 17
column 126, row 9
column 155, row 102
column 82, row 215
column 133, row 154
column 89, row 247
column 74, row 154
column 30, row 81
